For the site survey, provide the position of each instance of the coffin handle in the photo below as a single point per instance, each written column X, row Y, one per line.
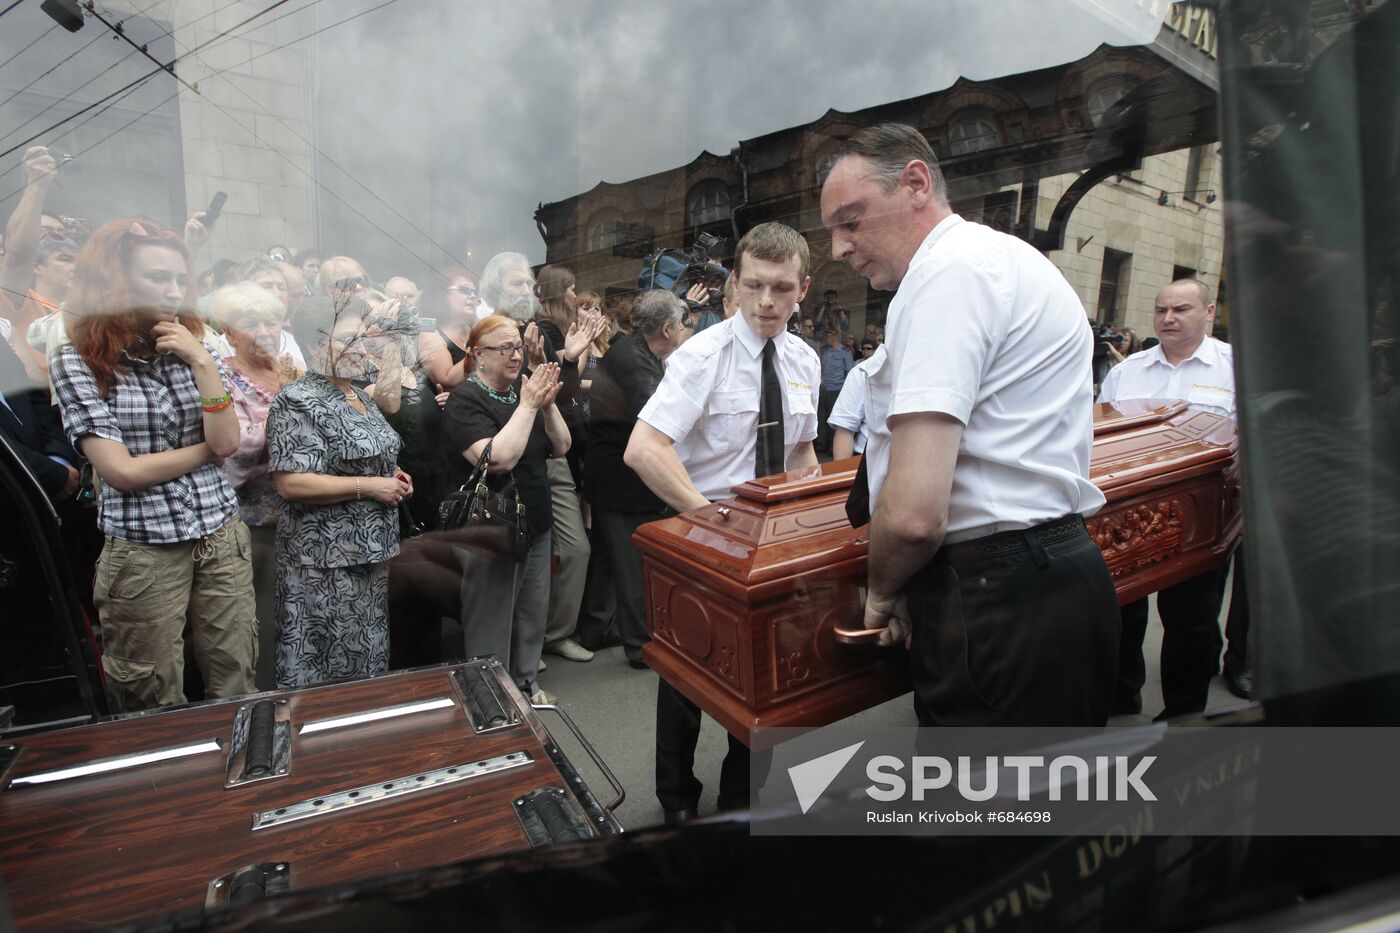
column 592, row 753
column 862, row 637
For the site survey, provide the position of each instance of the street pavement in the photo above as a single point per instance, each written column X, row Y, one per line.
column 615, row 708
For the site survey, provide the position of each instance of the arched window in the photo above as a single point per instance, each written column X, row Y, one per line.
column 824, row 165
column 708, row 202
column 1104, row 95
column 973, row 134
column 605, row 230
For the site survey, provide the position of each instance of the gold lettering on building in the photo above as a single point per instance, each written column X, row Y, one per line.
column 1193, row 24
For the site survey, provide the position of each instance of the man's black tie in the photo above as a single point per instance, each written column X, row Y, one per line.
column 768, row 457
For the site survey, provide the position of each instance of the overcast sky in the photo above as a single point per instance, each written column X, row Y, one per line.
column 507, row 104
column 466, row 115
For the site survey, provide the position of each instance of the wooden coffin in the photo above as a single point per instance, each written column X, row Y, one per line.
column 396, row 773
column 744, row 596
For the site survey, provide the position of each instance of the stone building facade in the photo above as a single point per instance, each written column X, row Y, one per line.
column 1011, row 149
column 238, row 120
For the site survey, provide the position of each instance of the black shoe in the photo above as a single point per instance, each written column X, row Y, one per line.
column 637, row 664
column 608, row 641
column 1240, row 683
column 1128, row 707
column 683, row 815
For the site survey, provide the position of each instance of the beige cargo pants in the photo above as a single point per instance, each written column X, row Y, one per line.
column 145, row 593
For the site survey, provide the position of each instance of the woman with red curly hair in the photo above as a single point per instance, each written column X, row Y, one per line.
column 144, row 402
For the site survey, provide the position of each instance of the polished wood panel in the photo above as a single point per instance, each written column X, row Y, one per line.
column 744, row 595
column 102, row 849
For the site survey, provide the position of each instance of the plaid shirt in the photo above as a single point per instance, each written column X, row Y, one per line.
column 151, row 407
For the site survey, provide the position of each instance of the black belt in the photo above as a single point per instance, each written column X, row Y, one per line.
column 1003, row 544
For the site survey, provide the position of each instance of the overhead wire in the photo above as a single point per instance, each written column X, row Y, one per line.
column 130, row 89
column 171, row 64
column 26, row 47
column 220, row 73
column 52, row 68
column 117, row 64
column 254, row 133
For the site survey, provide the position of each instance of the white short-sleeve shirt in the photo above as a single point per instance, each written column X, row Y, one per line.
column 707, row 402
column 1205, row 379
column 849, row 409
column 985, row 329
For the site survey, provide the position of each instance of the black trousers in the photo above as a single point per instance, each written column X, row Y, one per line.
column 677, row 732
column 826, row 401
column 1017, row 628
column 1191, row 643
column 1237, row 623
column 612, row 537
column 598, row 609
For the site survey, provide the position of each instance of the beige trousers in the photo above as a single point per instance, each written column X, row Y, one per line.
column 145, row 593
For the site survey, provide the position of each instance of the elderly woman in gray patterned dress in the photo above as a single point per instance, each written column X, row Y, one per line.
column 333, row 458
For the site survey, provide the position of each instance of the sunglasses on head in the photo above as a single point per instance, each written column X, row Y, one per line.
column 142, row 231
column 351, row 283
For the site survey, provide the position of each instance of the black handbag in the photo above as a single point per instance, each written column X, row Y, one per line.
column 489, row 519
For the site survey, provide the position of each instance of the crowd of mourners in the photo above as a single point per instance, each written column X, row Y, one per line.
column 252, row 457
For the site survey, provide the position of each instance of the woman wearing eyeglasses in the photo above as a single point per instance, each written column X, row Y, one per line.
column 504, row 604
column 334, row 460
column 452, row 298
column 142, row 399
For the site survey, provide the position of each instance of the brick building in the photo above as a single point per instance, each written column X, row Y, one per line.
column 1012, row 149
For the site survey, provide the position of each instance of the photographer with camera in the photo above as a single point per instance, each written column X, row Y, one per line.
column 695, row 277
column 38, row 264
column 831, row 316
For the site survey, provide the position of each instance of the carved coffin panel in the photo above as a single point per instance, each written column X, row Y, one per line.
column 744, row 595
column 698, row 624
column 801, row 649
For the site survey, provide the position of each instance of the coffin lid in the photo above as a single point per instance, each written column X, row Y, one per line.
column 777, row 526
column 1139, row 443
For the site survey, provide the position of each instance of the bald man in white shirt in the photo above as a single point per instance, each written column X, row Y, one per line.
column 710, row 427
column 1192, row 365
column 979, row 483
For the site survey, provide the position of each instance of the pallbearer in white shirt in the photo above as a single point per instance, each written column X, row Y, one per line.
column 980, row 480
column 739, row 400
column 1188, row 364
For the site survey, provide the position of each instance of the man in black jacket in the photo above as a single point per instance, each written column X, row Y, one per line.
column 627, row 376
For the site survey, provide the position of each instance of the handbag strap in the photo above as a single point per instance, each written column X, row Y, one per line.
column 478, row 477
column 483, row 463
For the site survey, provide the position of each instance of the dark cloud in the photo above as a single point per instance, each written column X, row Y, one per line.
column 465, row 115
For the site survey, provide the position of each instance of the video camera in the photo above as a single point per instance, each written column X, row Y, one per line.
column 1105, row 333
column 677, row 270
